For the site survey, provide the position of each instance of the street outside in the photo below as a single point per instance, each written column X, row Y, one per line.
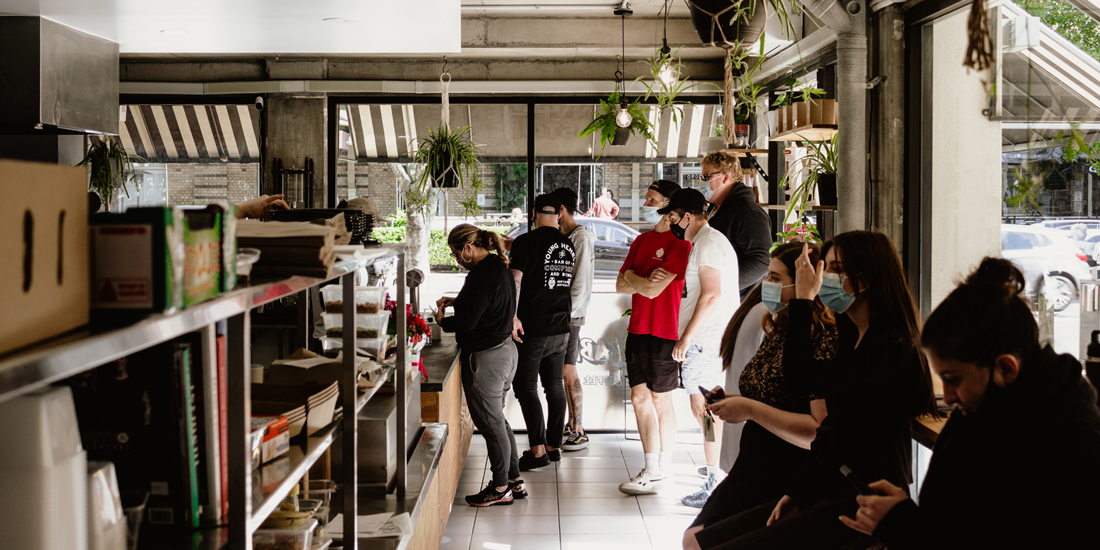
column 1067, row 330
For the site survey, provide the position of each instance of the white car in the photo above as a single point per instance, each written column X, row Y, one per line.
column 1046, row 257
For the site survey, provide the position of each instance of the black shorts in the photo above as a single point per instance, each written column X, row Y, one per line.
column 574, row 345
column 649, row 361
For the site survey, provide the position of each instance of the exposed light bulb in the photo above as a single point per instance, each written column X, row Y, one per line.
column 667, row 75
column 623, row 119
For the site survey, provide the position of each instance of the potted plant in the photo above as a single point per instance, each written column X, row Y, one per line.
column 819, row 165
column 450, row 160
column 611, row 114
column 110, row 168
column 729, row 23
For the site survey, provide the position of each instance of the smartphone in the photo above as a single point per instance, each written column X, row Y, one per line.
column 860, row 486
column 713, row 397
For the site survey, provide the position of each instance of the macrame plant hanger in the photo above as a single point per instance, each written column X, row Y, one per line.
column 445, row 128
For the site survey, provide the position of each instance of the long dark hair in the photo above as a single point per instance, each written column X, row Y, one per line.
column 872, row 263
column 729, row 339
column 983, row 318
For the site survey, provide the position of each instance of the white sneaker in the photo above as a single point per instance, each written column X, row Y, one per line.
column 641, row 484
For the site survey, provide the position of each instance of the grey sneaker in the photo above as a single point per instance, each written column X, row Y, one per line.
column 699, row 498
column 702, row 471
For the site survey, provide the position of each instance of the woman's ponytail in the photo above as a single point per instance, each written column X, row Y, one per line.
column 491, row 241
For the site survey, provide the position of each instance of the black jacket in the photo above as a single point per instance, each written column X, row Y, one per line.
column 748, row 228
column 484, row 308
column 869, row 395
column 1021, row 472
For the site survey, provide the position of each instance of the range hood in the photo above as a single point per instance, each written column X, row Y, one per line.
column 55, row 79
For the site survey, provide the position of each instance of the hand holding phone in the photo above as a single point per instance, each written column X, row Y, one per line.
column 714, row 396
column 860, row 486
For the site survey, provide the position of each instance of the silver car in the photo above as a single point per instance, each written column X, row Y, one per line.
column 1046, row 257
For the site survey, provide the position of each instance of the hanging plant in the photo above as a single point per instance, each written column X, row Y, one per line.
column 449, row 160
column 738, row 23
column 110, row 167
column 605, row 122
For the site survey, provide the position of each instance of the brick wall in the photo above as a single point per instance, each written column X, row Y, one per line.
column 380, row 181
column 200, row 184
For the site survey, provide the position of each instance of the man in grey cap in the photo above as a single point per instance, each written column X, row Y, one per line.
column 542, row 264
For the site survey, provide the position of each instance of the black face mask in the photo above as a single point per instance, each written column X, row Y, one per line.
column 677, row 231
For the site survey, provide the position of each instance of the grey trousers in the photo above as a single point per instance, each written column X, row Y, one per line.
column 486, row 378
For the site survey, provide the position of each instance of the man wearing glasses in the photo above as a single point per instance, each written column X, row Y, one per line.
column 737, row 216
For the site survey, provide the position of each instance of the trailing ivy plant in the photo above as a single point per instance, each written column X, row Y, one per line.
column 448, row 155
column 604, row 123
column 110, row 168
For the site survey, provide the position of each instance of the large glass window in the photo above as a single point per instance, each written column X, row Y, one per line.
column 192, row 154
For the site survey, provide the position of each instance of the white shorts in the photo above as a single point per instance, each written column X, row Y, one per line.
column 701, row 367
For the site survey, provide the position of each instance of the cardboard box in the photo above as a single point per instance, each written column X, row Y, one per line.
column 137, row 263
column 276, row 436
column 44, row 276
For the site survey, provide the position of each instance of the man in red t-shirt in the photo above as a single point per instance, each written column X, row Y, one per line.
column 654, row 274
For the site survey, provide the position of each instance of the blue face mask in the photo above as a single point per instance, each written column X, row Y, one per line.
column 650, row 215
column 772, row 295
column 833, row 295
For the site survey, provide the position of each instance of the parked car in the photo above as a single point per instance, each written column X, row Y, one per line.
column 1045, row 256
column 613, row 241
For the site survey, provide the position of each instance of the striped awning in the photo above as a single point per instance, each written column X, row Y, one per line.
column 190, row 133
column 388, row 133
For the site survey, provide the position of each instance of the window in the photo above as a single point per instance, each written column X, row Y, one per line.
column 191, row 154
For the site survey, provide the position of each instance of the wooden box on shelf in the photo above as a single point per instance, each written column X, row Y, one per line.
column 44, row 287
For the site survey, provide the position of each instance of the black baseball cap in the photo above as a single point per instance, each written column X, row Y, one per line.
column 547, row 204
column 568, row 198
column 690, row 200
column 665, row 187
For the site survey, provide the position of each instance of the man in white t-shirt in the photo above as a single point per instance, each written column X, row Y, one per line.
column 711, row 295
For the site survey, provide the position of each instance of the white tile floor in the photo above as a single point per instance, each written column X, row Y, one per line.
column 576, row 504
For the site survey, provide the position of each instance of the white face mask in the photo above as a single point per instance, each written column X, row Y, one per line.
column 650, row 215
column 708, row 192
column 771, row 293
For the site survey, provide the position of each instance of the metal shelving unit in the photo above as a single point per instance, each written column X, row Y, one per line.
column 73, row 354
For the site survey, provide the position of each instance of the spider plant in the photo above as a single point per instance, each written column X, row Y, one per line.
column 449, row 158
column 110, row 168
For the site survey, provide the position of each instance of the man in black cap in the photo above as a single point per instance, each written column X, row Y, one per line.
column 542, row 264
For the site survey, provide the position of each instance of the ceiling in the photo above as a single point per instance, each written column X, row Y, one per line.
column 259, row 26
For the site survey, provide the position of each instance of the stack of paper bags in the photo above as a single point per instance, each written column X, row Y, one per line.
column 289, row 248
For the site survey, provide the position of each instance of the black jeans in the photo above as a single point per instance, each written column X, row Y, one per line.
column 486, row 377
column 542, row 357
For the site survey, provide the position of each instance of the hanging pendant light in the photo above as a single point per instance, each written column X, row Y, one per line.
column 623, row 119
column 666, row 74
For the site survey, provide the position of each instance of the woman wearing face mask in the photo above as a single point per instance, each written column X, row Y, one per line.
column 874, row 388
column 779, row 422
column 1018, row 463
column 482, row 321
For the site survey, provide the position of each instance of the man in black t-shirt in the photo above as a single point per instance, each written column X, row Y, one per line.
column 542, row 264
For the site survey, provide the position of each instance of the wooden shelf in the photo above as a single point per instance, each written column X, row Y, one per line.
column 810, row 132
column 753, row 151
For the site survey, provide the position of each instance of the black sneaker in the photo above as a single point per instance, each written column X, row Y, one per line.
column 575, row 443
column 554, row 456
column 490, row 497
column 519, row 490
column 528, row 461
